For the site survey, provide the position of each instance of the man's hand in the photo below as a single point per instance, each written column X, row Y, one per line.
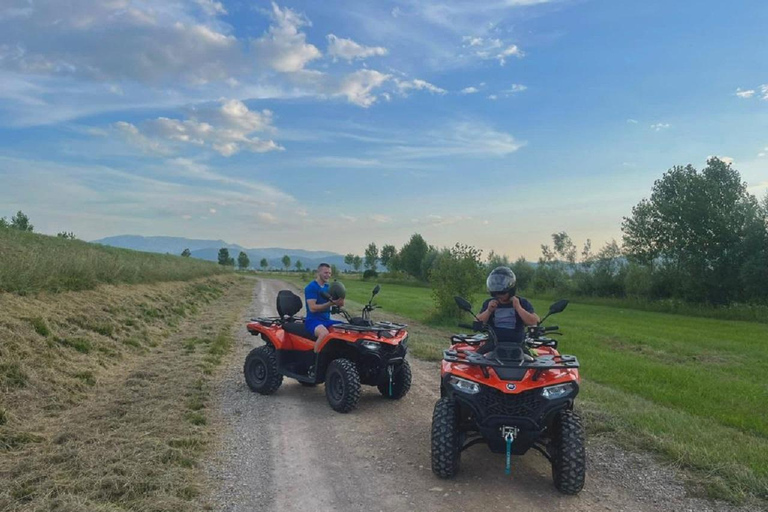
column 492, row 306
column 515, row 302
column 338, row 302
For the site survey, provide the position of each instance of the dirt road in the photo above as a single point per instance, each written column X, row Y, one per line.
column 291, row 452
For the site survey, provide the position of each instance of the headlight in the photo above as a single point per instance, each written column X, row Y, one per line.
column 371, row 345
column 464, row 385
column 558, row 391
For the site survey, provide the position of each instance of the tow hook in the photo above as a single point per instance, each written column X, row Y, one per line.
column 509, row 434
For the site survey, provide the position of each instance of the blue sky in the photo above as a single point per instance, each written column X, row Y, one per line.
column 328, row 125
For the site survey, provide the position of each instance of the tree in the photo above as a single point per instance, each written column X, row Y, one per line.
column 349, row 259
column 263, row 263
column 694, row 227
column 21, row 222
column 66, row 235
column 371, row 256
column 357, row 262
column 243, row 261
column 411, row 256
column 388, row 257
column 299, row 265
column 187, row 253
column 224, row 258
column 458, row 271
column 286, row 262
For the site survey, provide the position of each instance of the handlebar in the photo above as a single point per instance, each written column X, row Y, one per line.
column 467, row 326
column 551, row 328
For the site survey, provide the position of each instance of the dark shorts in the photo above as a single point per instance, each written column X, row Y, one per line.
column 311, row 324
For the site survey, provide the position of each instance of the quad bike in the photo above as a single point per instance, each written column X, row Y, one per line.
column 515, row 397
column 358, row 351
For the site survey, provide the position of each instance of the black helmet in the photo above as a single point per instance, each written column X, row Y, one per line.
column 501, row 280
column 337, row 290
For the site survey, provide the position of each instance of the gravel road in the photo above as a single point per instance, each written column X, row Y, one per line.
column 291, row 452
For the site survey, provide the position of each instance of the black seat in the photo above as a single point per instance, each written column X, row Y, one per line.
column 297, row 328
column 288, row 304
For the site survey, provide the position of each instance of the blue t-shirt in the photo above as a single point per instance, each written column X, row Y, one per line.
column 312, row 291
column 507, row 324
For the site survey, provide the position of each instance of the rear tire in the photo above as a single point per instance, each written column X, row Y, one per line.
column 446, row 451
column 342, row 385
column 567, row 452
column 260, row 370
column 401, row 382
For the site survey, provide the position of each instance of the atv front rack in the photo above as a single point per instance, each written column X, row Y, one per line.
column 379, row 327
column 548, row 362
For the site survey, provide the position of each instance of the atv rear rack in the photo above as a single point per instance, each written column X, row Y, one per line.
column 378, row 327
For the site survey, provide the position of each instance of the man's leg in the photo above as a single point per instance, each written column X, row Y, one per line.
column 321, row 332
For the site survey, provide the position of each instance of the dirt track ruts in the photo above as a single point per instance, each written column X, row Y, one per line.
column 291, row 452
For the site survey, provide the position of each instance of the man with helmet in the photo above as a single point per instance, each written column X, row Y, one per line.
column 318, row 317
column 504, row 311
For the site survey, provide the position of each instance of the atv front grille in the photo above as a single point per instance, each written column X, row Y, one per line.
column 492, row 402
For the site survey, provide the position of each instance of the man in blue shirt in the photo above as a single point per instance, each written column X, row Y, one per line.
column 318, row 317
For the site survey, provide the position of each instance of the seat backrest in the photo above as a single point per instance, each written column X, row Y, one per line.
column 288, row 303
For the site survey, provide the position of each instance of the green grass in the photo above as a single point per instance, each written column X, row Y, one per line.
column 693, row 390
column 31, row 263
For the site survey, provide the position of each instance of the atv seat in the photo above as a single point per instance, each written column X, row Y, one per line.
column 288, row 304
column 297, row 329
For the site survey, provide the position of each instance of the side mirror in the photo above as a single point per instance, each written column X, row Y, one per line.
column 463, row 304
column 558, row 306
column 376, row 289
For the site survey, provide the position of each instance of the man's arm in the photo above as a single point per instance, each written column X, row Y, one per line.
column 488, row 308
column 529, row 317
column 319, row 308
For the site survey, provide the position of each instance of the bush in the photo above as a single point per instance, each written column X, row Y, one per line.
column 457, row 271
column 370, row 274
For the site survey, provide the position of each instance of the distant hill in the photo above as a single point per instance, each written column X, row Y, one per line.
column 209, row 250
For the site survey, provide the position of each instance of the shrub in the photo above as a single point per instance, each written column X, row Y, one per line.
column 457, row 271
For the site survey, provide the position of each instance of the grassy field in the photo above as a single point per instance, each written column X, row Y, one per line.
column 693, row 390
column 103, row 393
column 30, row 263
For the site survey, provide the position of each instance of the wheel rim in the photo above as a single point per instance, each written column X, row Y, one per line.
column 336, row 385
column 258, row 371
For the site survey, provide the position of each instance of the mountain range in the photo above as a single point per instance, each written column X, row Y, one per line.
column 209, row 250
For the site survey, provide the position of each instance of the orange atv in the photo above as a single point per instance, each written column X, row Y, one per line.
column 358, row 351
column 514, row 397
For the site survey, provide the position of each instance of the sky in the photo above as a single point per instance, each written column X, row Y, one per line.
column 330, row 125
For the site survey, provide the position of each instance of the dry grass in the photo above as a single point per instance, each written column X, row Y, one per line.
column 104, row 394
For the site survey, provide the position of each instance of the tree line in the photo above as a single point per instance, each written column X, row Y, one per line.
column 700, row 237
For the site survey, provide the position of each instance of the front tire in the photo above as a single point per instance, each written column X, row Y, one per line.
column 260, row 370
column 342, row 385
column 401, row 382
column 568, row 454
column 446, row 450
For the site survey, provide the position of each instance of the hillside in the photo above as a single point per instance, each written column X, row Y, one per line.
column 209, row 250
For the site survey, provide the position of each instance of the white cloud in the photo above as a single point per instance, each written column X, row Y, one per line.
column 725, row 159
column 659, row 126
column 149, row 42
column 416, row 84
column 470, row 90
column 632, row 121
column 348, row 218
column 745, row 93
column 492, row 48
column 357, row 86
column 380, row 219
column 516, row 88
column 267, row 217
column 283, row 47
column 464, row 139
column 227, row 129
column 764, row 91
column 347, row 49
